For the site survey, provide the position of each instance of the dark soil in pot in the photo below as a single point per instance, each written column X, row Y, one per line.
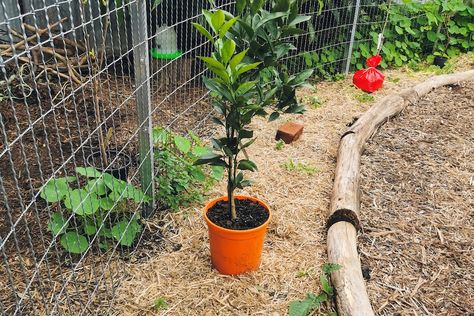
column 119, row 163
column 249, row 215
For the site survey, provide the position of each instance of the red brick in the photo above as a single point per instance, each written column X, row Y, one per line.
column 289, row 132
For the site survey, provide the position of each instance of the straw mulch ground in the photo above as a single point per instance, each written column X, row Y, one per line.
column 418, row 208
column 295, row 246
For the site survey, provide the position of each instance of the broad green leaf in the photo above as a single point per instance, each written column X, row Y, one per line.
column 217, row 121
column 106, row 203
column 198, row 174
column 182, row 143
column 325, row 285
column 74, row 243
column 200, row 150
column 245, row 164
column 204, row 32
column 97, row 186
column 273, row 116
column 245, row 134
column 90, row 228
column 247, row 67
column 217, row 20
column 125, row 232
column 217, row 172
column 212, row 62
column 89, row 172
column 256, row 5
column 223, row 30
column 227, row 50
column 81, row 202
column 237, row 59
column 208, row 15
column 245, row 87
column 270, row 17
column 219, row 88
column 57, row 224
column 241, row 5
column 55, row 190
column 300, row 19
column 160, row 135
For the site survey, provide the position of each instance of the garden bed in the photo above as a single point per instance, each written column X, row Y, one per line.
column 417, row 208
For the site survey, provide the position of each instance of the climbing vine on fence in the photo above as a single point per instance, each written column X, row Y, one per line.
column 415, row 31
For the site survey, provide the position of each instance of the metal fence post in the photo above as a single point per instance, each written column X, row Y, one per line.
column 351, row 42
column 142, row 83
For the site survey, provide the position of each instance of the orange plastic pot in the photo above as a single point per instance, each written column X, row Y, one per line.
column 236, row 251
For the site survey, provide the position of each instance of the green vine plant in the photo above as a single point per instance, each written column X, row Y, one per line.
column 99, row 207
column 244, row 48
column 312, row 301
column 179, row 182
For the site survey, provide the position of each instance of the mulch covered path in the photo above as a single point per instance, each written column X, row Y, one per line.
column 417, row 245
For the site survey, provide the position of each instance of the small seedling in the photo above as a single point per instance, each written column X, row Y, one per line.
column 313, row 301
column 291, row 166
column 315, row 102
column 160, row 303
column 394, row 79
column 279, row 145
column 364, row 97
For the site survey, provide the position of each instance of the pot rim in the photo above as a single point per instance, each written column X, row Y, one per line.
column 236, row 231
column 117, row 153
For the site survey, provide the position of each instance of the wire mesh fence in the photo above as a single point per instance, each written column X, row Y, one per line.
column 79, row 88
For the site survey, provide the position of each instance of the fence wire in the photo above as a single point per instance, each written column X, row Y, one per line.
column 76, row 74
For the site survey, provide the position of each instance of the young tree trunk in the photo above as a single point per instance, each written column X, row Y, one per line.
column 230, row 190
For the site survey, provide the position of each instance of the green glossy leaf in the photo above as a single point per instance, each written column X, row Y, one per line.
column 273, row 116
column 225, row 28
column 241, row 5
column 270, row 17
column 227, row 50
column 97, row 186
column 198, row 174
column 200, row 150
column 182, row 143
column 256, row 5
column 237, row 59
column 89, row 172
column 55, row 190
column 245, row 134
column 217, row 172
column 245, row 164
column 300, row 19
column 57, row 224
column 125, row 232
column 74, row 243
column 106, row 203
column 246, row 67
column 217, row 19
column 90, row 228
column 211, row 62
column 208, row 15
column 204, row 32
column 219, row 88
column 82, row 202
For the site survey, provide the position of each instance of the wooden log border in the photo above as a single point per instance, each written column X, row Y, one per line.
column 344, row 213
